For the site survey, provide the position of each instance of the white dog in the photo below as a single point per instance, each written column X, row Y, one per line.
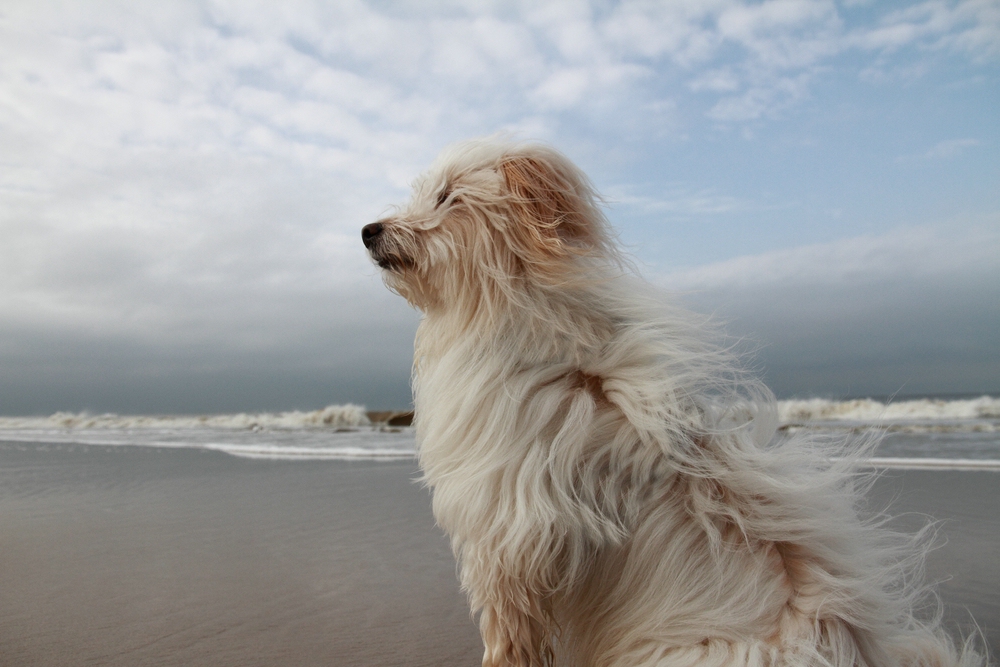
column 608, row 480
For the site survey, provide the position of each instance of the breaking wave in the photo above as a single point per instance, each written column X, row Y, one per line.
column 332, row 416
column 925, row 415
column 866, row 409
column 336, row 432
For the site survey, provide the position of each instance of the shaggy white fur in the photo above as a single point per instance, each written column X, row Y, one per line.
column 610, row 480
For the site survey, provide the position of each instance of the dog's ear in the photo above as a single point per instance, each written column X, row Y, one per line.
column 550, row 215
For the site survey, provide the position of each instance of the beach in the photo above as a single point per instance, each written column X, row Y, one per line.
column 132, row 556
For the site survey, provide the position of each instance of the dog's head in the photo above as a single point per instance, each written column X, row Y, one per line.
column 491, row 219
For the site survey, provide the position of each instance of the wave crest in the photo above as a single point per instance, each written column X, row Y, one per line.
column 332, row 416
column 868, row 410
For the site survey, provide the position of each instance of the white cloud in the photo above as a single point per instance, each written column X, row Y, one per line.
column 969, row 26
column 950, row 148
column 175, row 142
column 942, row 150
column 563, row 88
column 679, row 31
column 903, row 254
column 722, row 80
column 749, row 106
column 679, row 201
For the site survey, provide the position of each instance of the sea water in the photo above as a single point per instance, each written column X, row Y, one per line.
column 923, row 433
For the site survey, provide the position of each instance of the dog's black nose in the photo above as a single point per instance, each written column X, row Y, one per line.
column 370, row 232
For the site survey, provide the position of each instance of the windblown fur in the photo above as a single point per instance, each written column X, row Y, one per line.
column 610, row 480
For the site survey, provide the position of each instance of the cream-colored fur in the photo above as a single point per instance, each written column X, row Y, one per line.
column 611, row 483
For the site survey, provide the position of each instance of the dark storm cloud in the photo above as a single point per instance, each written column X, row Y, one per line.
column 912, row 312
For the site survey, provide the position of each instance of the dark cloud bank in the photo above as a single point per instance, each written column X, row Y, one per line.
column 920, row 336
column 898, row 338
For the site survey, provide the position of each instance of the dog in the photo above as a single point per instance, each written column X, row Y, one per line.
column 610, row 479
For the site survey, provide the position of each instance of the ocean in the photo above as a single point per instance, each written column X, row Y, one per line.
column 919, row 433
column 303, row 538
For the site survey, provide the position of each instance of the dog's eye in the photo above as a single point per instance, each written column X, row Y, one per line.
column 443, row 197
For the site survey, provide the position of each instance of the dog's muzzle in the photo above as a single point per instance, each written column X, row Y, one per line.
column 381, row 249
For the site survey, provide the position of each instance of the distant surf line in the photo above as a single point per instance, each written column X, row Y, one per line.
column 272, row 452
column 356, row 454
column 920, row 463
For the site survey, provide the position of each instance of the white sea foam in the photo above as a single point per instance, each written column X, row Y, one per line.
column 334, row 432
column 921, row 433
column 977, row 413
column 928, row 463
column 366, row 442
column 332, row 416
column 866, row 409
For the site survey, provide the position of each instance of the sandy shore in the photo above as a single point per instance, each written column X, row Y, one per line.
column 133, row 556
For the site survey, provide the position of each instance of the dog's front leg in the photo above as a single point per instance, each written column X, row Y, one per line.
column 512, row 634
column 515, row 626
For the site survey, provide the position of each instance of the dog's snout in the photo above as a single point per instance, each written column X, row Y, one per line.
column 371, row 232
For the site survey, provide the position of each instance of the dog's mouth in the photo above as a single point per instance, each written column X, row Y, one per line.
column 389, row 259
column 392, row 262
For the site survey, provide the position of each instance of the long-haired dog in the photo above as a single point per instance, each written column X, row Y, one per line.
column 611, row 483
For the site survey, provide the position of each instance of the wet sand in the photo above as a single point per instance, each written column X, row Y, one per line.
column 135, row 556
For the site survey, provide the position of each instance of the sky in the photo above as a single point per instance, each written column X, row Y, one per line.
column 182, row 184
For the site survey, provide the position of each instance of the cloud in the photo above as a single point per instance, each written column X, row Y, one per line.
column 678, row 201
column 185, row 181
column 970, row 27
column 950, row 148
column 722, row 80
column 909, row 311
column 563, row 88
column 907, row 252
column 943, row 150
